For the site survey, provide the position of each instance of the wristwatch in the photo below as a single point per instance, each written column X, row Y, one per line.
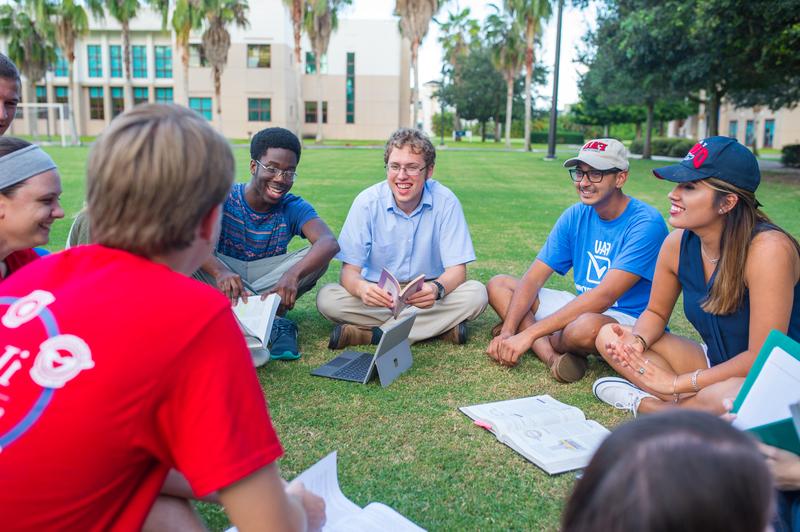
column 439, row 290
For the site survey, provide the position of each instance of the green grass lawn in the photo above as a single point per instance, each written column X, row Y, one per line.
column 408, row 446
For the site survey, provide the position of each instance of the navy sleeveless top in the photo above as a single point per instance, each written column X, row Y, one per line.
column 725, row 336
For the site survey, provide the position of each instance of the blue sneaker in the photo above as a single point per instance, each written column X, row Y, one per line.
column 283, row 340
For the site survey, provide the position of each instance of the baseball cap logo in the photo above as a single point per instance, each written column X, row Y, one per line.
column 594, row 145
column 698, row 154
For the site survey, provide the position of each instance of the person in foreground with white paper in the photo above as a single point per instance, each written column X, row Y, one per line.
column 740, row 278
column 610, row 241
column 677, row 470
column 117, row 409
column 410, row 225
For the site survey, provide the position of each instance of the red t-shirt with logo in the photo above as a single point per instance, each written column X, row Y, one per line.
column 113, row 370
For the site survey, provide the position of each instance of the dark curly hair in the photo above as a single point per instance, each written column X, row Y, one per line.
column 274, row 137
column 8, row 70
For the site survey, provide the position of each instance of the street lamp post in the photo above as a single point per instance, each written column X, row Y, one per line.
column 551, row 137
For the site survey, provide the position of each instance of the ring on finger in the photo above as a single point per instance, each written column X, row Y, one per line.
column 641, row 370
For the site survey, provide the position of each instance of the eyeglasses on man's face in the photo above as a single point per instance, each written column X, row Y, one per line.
column 271, row 171
column 412, row 170
column 595, row 176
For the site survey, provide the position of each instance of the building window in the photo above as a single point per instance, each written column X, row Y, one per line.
column 311, row 112
column 164, row 95
column 141, row 95
column 259, row 109
column 769, row 133
column 311, row 68
column 41, row 97
column 197, row 56
column 350, row 89
column 733, row 129
column 115, row 60
column 749, row 133
column 117, row 101
column 61, row 69
column 258, row 56
column 139, row 54
column 61, row 95
column 95, row 54
column 96, row 111
column 202, row 106
column 163, row 62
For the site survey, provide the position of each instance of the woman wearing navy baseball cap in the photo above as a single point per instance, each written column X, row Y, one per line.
column 740, row 278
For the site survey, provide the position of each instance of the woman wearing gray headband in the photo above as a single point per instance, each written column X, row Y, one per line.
column 29, row 190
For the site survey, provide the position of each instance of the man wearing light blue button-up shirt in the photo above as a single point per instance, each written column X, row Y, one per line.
column 410, row 225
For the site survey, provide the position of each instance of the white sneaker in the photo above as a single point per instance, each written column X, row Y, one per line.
column 619, row 393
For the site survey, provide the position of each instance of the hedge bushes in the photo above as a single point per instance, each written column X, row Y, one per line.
column 562, row 137
column 670, row 147
column 790, row 155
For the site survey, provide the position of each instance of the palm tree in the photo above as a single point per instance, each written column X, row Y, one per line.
column 29, row 46
column 219, row 14
column 186, row 17
column 71, row 21
column 415, row 17
column 321, row 20
column 456, row 33
column 297, row 9
column 123, row 11
column 530, row 14
column 508, row 55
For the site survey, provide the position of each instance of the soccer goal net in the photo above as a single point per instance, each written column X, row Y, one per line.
column 43, row 121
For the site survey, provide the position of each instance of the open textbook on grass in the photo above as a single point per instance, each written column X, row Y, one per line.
column 771, row 389
column 555, row 436
column 342, row 514
column 256, row 317
column 390, row 283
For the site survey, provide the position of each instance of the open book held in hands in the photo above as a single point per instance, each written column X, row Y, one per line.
column 554, row 436
column 256, row 317
column 389, row 283
column 342, row 514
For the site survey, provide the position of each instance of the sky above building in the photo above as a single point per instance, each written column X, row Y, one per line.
column 575, row 24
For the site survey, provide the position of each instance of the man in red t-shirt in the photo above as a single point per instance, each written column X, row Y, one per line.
column 118, row 370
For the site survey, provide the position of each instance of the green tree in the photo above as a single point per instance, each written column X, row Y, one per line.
column 297, row 9
column 481, row 90
column 124, row 11
column 219, row 14
column 508, row 55
column 70, row 21
column 29, row 46
column 530, row 14
column 321, row 20
column 186, row 17
column 415, row 17
column 456, row 34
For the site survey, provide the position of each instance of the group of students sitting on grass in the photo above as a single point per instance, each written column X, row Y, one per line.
column 104, row 390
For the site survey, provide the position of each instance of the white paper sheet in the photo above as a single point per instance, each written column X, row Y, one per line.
column 776, row 387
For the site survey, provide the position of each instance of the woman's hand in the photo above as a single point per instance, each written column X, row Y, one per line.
column 651, row 376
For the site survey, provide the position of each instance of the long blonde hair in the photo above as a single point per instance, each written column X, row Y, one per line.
column 742, row 223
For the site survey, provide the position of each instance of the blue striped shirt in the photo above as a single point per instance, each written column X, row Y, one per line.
column 249, row 235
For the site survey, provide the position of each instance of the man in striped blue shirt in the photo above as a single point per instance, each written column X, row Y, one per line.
column 259, row 220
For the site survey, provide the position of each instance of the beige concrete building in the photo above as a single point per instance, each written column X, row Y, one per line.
column 767, row 128
column 364, row 77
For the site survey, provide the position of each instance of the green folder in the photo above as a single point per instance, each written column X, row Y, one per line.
column 782, row 433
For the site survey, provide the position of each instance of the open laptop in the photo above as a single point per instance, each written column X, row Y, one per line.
column 392, row 358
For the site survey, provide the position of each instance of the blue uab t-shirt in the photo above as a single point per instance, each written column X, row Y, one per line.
column 591, row 246
column 250, row 235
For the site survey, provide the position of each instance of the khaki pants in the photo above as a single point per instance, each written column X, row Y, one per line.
column 263, row 274
column 466, row 302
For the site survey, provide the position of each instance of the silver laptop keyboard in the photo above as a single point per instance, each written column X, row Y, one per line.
column 357, row 369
